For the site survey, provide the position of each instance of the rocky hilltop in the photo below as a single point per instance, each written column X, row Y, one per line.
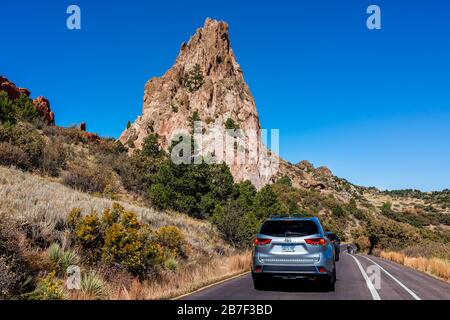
column 207, row 81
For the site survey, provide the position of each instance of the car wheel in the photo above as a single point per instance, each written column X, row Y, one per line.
column 331, row 285
column 259, row 283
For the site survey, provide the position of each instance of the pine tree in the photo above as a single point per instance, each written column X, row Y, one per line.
column 194, row 79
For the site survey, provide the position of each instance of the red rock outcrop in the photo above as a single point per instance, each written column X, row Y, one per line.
column 41, row 104
column 11, row 89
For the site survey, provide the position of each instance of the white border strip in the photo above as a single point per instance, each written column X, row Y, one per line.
column 369, row 283
column 415, row 296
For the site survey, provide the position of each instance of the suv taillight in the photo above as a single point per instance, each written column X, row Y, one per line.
column 316, row 242
column 262, row 242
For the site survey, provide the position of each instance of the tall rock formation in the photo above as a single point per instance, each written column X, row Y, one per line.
column 205, row 83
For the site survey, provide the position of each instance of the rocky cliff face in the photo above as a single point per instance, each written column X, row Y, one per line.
column 206, row 80
column 205, row 83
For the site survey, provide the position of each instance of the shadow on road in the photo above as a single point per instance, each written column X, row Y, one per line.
column 300, row 285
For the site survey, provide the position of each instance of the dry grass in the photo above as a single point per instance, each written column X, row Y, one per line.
column 29, row 199
column 42, row 202
column 434, row 266
column 187, row 279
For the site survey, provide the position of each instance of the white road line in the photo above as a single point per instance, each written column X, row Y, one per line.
column 395, row 279
column 369, row 283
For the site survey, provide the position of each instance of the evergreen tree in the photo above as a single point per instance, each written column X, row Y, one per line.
column 151, row 147
column 194, row 79
column 267, row 203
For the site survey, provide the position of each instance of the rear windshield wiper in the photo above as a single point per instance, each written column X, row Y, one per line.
column 290, row 233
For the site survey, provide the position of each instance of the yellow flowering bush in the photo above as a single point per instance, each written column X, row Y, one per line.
column 48, row 288
column 117, row 237
column 171, row 238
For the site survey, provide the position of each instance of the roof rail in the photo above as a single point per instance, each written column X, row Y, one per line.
column 289, row 216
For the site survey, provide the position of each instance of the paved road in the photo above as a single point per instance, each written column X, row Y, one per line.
column 396, row 283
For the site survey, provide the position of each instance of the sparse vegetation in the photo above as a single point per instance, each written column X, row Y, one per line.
column 231, row 125
column 89, row 177
column 436, row 267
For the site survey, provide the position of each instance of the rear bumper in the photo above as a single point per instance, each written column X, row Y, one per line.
column 298, row 272
column 320, row 265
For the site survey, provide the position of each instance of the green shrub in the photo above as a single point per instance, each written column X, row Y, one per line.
column 20, row 109
column 138, row 171
column 8, row 112
column 72, row 218
column 338, row 211
column 119, row 238
column 93, row 286
column 386, row 234
column 191, row 189
column 48, row 288
column 171, row 238
column 69, row 258
column 267, row 203
column 159, row 196
column 132, row 248
column 54, row 253
column 25, row 109
column 231, row 125
column 171, row 264
column 244, row 193
column 88, row 233
column 151, row 147
column 62, row 259
column 236, row 226
column 285, row 180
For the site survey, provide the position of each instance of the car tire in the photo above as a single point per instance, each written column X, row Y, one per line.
column 331, row 285
column 329, row 282
column 259, row 283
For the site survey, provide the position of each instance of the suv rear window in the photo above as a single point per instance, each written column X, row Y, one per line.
column 289, row 228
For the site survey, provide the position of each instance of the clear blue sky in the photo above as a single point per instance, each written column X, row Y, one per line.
column 373, row 106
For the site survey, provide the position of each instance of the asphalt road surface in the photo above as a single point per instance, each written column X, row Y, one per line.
column 354, row 274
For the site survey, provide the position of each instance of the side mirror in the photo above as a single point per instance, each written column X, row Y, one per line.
column 330, row 235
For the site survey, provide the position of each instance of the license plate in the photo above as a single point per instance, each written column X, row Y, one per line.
column 287, row 248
